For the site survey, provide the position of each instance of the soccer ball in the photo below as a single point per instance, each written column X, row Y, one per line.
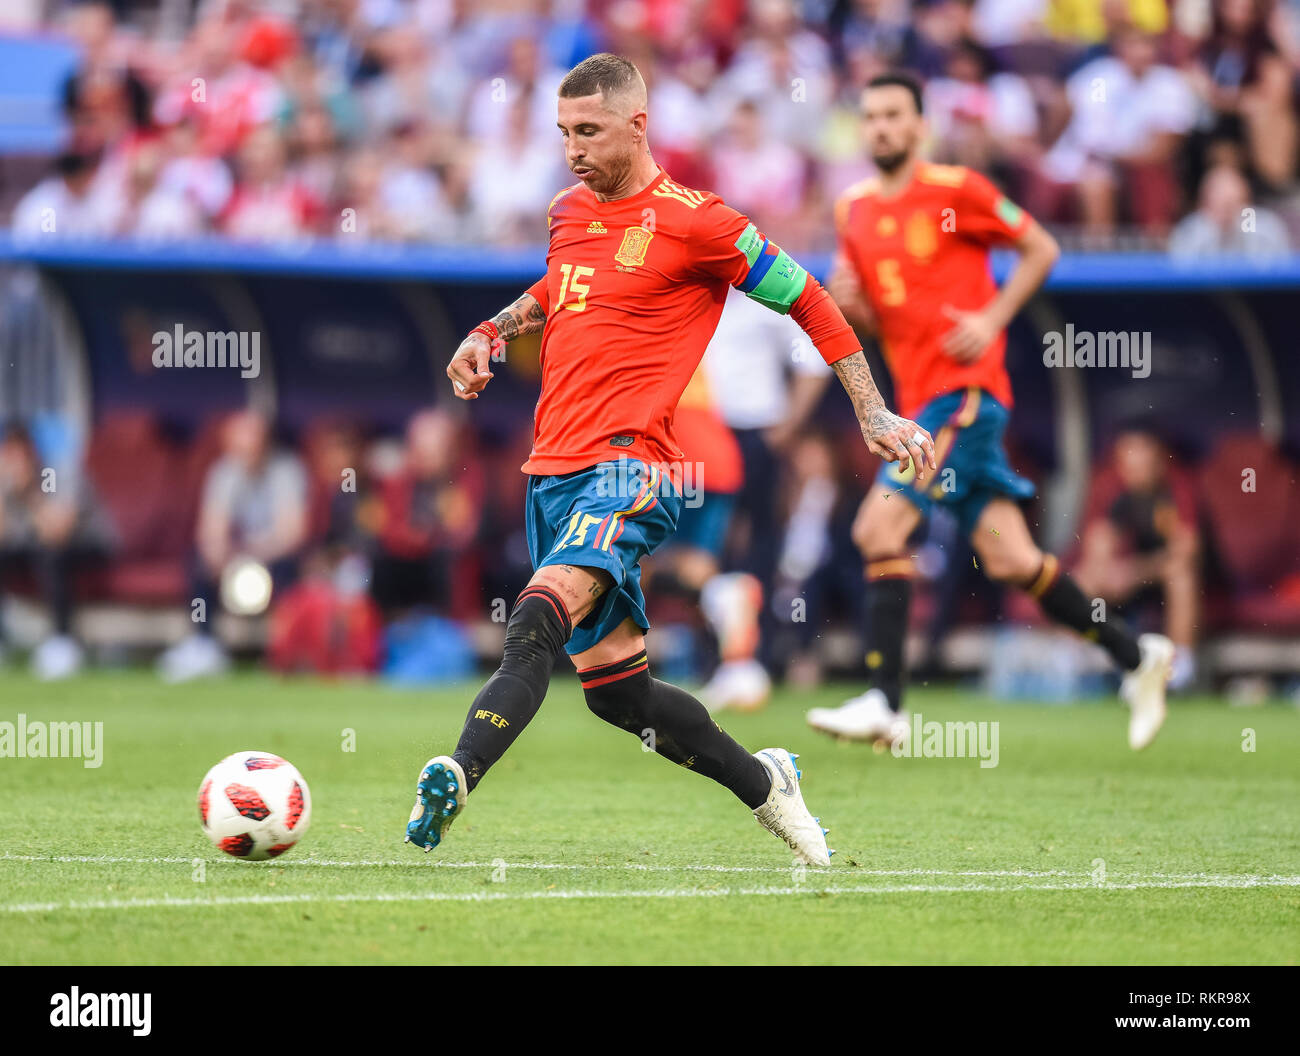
column 254, row 805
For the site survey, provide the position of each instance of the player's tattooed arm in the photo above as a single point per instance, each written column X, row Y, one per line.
column 525, row 316
column 893, row 438
column 468, row 369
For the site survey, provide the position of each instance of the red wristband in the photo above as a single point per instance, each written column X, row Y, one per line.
column 488, row 330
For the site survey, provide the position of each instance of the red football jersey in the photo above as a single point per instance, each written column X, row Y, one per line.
column 633, row 292
column 918, row 251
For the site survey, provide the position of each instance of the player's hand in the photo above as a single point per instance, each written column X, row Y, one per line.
column 971, row 334
column 899, row 440
column 468, row 369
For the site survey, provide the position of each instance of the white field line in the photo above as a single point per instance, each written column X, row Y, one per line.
column 422, row 862
column 682, row 892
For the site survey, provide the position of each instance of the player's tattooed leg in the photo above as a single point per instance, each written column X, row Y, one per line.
column 538, row 627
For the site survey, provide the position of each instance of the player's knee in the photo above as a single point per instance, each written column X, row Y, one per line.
column 538, row 626
column 617, row 692
column 875, row 538
column 1017, row 568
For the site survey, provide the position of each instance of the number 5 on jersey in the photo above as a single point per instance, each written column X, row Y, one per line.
column 571, row 282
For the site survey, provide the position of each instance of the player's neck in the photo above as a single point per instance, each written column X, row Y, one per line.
column 638, row 178
column 896, row 182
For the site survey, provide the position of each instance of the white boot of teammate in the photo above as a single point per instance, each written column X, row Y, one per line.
column 738, row 685
column 785, row 815
column 1143, row 690
column 867, row 717
column 196, row 656
column 57, row 658
column 731, row 603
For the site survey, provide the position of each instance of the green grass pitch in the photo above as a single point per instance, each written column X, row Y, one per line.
column 580, row 847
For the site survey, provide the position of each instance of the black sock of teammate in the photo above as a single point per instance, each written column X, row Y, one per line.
column 674, row 724
column 1060, row 597
column 538, row 627
column 889, row 597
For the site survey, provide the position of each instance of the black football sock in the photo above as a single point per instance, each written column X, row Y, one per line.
column 1060, row 597
column 674, row 724
column 889, row 597
column 538, row 627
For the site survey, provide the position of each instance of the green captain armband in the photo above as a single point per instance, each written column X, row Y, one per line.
column 775, row 279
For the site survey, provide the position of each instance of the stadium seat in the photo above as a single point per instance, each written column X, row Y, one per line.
column 134, row 470
column 1256, row 545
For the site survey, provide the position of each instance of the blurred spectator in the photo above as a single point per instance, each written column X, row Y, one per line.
column 817, row 567
column 51, row 527
column 327, row 622
column 409, row 189
column 1243, row 77
column 72, row 203
column 366, row 212
column 755, row 172
column 344, row 509
column 226, row 96
column 1129, row 115
column 106, row 100
column 1091, row 21
column 504, row 196
column 201, row 179
column 686, row 117
column 435, row 120
column 767, row 380
column 152, row 208
column 268, row 204
column 1227, row 222
column 1142, row 554
column 526, row 78
column 254, row 506
column 784, row 69
column 313, row 145
column 430, row 512
column 984, row 120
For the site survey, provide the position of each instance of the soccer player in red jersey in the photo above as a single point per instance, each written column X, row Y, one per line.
column 636, row 275
column 913, row 265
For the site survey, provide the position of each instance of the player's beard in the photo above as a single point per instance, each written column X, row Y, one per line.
column 612, row 176
column 892, row 161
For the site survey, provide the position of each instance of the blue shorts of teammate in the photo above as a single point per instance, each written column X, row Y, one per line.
column 967, row 426
column 704, row 525
column 607, row 516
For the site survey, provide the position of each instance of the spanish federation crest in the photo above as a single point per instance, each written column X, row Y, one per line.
column 920, row 237
column 636, row 240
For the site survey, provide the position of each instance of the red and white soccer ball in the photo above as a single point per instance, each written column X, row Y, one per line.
column 254, row 805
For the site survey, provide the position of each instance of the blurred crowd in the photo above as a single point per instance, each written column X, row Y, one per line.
column 432, row 121
column 369, row 551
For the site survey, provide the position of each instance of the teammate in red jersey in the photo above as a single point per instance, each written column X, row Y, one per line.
column 636, row 275
column 913, row 264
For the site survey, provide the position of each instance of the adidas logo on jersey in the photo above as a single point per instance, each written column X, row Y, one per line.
column 597, row 228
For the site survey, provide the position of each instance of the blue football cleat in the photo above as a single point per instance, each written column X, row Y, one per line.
column 439, row 799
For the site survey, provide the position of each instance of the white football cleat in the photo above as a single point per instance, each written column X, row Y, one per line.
column 439, row 798
column 1144, row 690
column 867, row 717
column 196, row 656
column 785, row 815
column 57, row 658
column 741, row 685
